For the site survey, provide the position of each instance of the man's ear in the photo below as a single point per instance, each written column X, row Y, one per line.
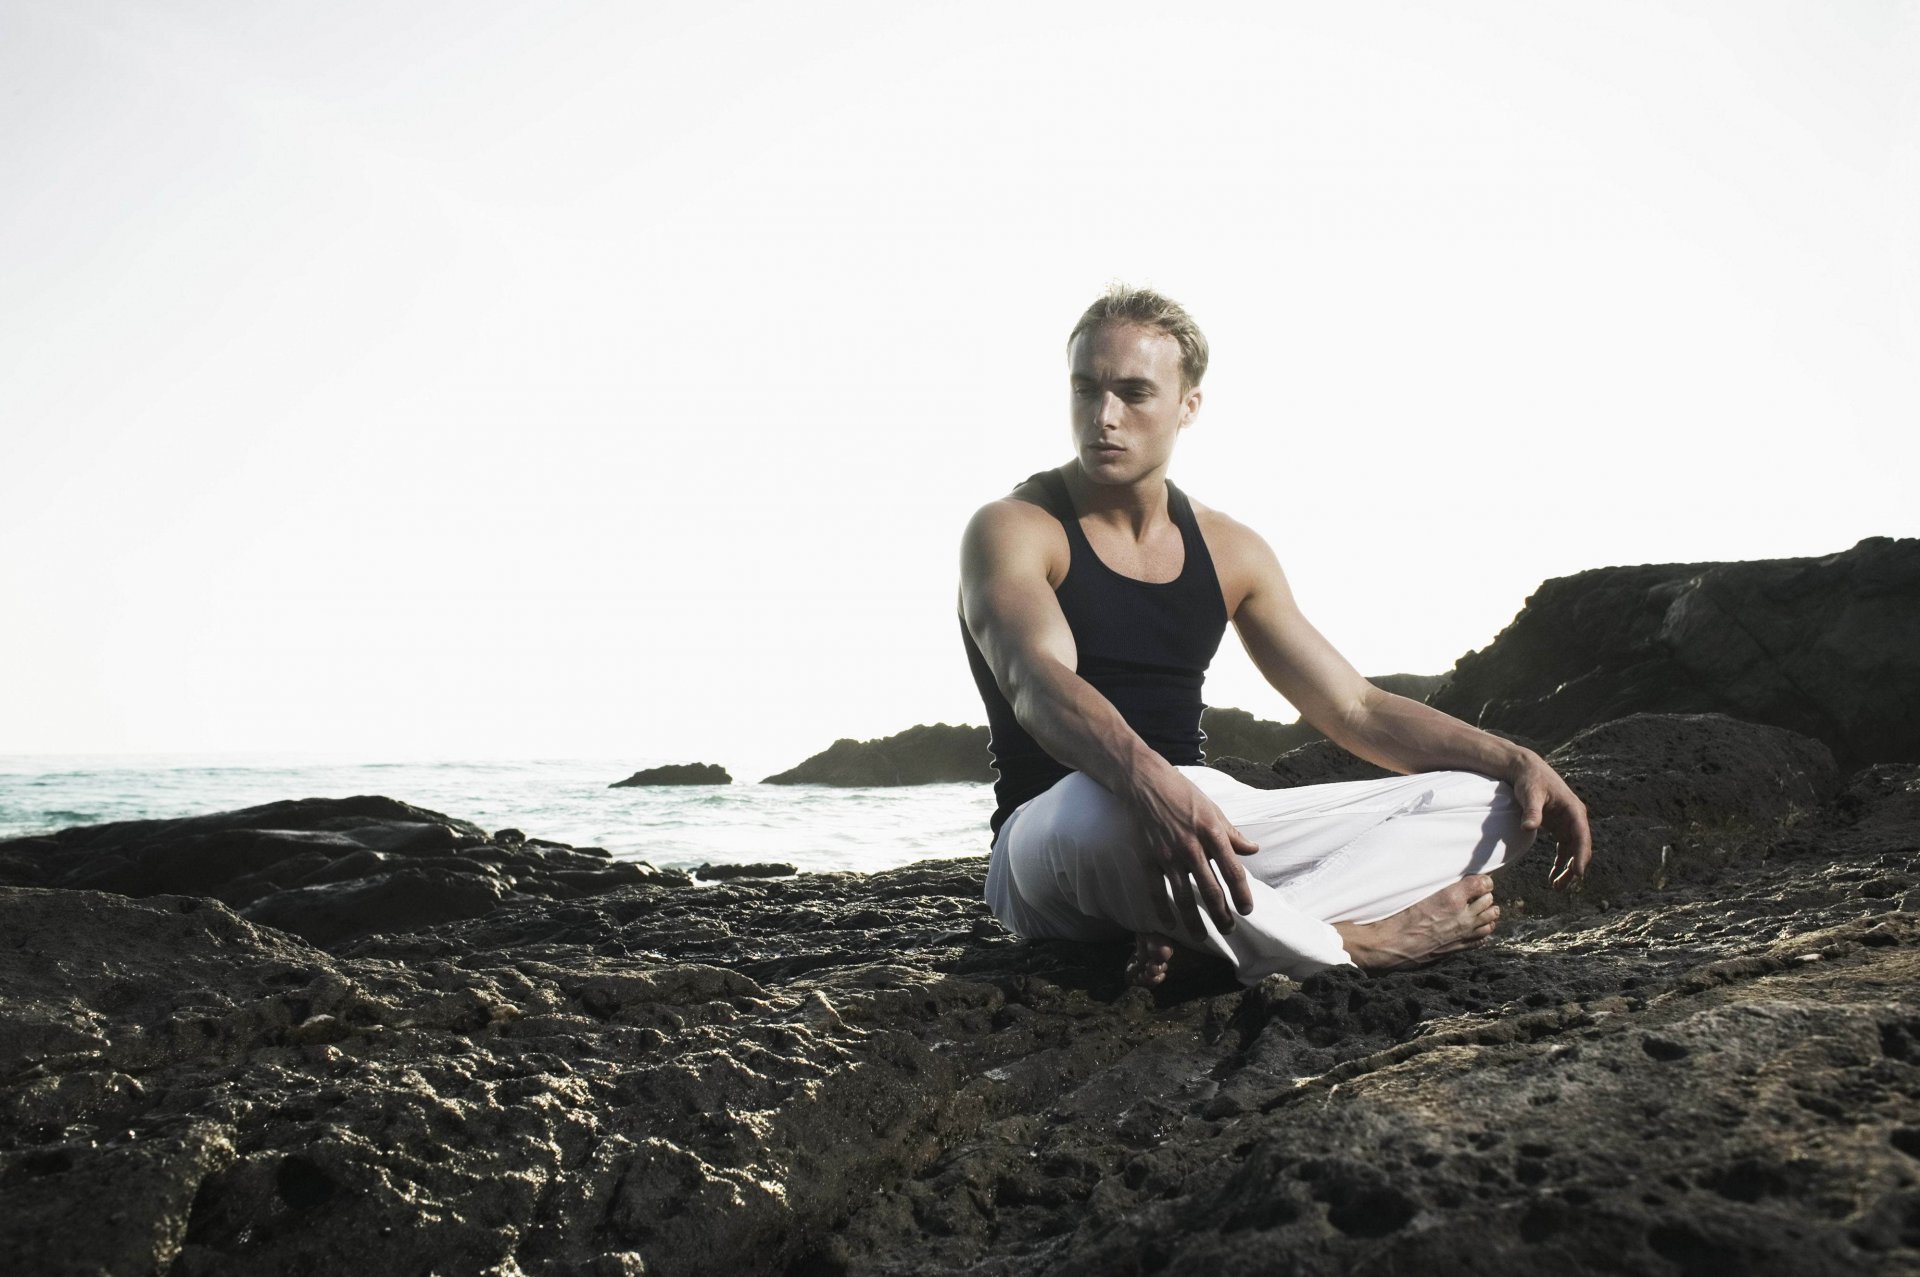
column 1190, row 407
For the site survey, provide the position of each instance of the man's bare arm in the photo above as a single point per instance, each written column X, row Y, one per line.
column 1010, row 609
column 1392, row 731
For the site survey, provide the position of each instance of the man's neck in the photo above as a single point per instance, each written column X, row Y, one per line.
column 1139, row 506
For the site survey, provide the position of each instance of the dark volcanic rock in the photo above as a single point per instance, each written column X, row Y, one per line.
column 1321, row 763
column 1698, row 768
column 1246, row 771
column 1825, row 647
column 328, row 869
column 853, row 1074
column 1672, row 797
column 921, row 755
column 1234, row 733
column 677, row 774
column 724, row 873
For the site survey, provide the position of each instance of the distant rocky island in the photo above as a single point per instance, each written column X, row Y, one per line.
column 939, row 754
column 677, row 774
column 1234, row 733
column 926, row 754
column 352, row 1035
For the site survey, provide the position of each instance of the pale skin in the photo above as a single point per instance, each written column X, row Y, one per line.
column 1130, row 404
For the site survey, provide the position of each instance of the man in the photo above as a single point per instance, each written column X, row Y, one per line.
column 1092, row 599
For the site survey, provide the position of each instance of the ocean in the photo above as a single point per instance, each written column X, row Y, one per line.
column 812, row 827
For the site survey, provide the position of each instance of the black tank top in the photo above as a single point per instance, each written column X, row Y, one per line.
column 1143, row 645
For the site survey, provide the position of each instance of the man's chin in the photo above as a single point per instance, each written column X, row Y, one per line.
column 1108, row 469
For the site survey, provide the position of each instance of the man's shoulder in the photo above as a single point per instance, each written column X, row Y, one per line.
column 1025, row 510
column 1016, row 528
column 1225, row 534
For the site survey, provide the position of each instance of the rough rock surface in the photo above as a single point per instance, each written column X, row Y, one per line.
column 325, row 869
column 922, row 755
column 1711, row 1070
column 1823, row 646
column 676, row 774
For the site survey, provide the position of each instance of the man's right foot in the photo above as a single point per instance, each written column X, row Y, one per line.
column 1453, row 918
column 1151, row 954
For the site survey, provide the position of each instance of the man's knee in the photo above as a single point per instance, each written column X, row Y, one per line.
column 1074, row 833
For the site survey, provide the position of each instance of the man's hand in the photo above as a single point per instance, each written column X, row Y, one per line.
column 1191, row 838
column 1547, row 803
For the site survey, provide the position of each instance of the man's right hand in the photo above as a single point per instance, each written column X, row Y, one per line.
column 1193, row 841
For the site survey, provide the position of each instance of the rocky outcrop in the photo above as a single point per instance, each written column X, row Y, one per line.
column 1234, row 733
column 325, row 869
column 726, row 873
column 677, row 774
column 940, row 754
column 1822, row 646
column 1708, row 1062
column 921, row 755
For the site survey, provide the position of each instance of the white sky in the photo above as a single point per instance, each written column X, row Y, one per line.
column 460, row 379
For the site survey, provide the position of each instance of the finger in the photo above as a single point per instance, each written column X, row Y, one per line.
column 1207, row 882
column 1532, row 807
column 1184, row 903
column 1582, row 841
column 1166, row 904
column 1242, row 844
column 1236, row 880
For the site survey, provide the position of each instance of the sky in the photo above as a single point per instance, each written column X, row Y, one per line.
column 460, row 380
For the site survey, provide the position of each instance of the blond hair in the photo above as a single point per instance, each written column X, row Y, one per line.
column 1124, row 304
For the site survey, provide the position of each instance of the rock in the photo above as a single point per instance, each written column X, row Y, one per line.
column 1236, row 733
column 725, row 873
column 1821, row 646
column 1697, row 768
column 677, row 774
column 862, row 1074
column 921, row 755
column 328, row 869
column 1322, row 763
column 1247, row 772
column 1673, row 797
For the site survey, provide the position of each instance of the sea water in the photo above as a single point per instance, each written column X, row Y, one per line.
column 811, row 827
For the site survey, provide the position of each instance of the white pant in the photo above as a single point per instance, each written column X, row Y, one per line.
column 1071, row 865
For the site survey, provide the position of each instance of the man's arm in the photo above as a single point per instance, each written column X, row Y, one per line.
column 1010, row 609
column 1394, row 732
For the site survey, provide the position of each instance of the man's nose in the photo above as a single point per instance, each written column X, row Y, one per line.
column 1106, row 410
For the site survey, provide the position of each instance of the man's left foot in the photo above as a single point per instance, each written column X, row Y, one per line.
column 1151, row 954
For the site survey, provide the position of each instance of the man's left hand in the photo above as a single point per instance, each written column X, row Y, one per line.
column 1547, row 803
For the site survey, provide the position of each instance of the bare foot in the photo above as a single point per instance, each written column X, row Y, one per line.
column 1461, row 916
column 1151, row 954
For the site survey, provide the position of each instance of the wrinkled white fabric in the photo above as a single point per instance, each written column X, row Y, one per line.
column 1070, row 864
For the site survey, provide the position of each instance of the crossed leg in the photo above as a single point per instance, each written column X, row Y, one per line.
column 1461, row 916
column 1380, row 874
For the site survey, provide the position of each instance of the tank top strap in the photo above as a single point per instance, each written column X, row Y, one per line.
column 1059, row 504
column 1180, row 510
column 1200, row 568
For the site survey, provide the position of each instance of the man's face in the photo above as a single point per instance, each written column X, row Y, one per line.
column 1128, row 407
